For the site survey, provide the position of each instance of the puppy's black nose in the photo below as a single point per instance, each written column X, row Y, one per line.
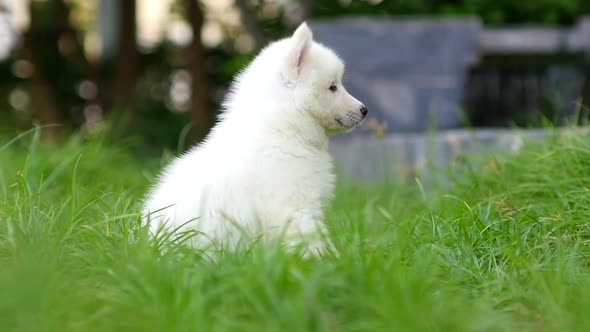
column 364, row 110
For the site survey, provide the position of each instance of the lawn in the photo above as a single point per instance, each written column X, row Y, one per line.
column 502, row 244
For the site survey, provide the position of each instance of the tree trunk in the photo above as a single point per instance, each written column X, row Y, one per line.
column 250, row 20
column 126, row 63
column 75, row 49
column 199, row 111
column 45, row 104
column 309, row 7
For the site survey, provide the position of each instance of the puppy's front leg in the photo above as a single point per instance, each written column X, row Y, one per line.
column 310, row 233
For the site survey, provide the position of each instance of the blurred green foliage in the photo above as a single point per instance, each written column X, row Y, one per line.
column 158, row 123
column 491, row 11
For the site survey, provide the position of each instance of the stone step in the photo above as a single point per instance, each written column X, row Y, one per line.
column 409, row 155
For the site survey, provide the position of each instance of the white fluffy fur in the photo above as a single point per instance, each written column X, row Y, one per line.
column 264, row 168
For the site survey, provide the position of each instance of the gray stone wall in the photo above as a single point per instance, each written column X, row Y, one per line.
column 411, row 73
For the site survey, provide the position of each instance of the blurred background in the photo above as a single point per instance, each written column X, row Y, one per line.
column 157, row 70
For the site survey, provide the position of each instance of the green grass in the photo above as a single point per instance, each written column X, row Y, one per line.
column 502, row 246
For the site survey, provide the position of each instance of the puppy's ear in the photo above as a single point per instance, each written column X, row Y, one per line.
column 298, row 52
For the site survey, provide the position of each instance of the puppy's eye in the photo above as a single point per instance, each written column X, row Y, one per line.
column 333, row 87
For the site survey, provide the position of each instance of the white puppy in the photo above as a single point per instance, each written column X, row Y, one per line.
column 264, row 169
